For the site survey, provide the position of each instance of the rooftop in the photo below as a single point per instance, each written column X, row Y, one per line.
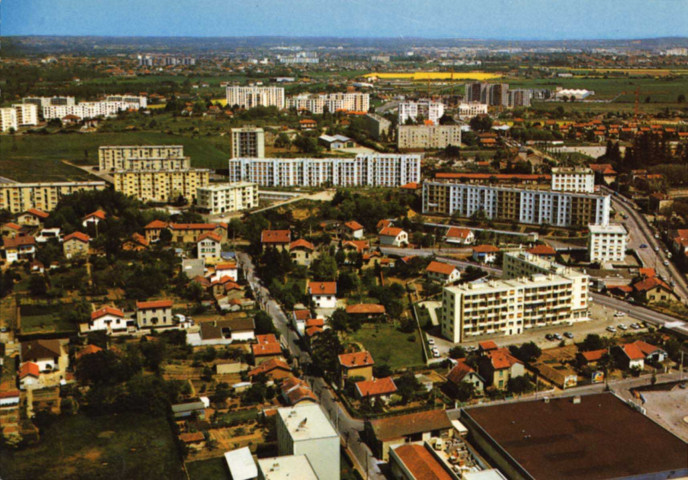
column 366, row 308
column 398, row 426
column 441, row 268
column 282, row 468
column 241, row 464
column 611, row 228
column 306, row 422
column 569, row 441
column 421, row 463
column 356, row 359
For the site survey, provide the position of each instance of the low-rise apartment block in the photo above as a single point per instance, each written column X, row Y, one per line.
column 161, row 185
column 27, row 114
column 472, row 109
column 317, row 103
column 20, row 197
column 142, row 157
column 376, row 125
column 607, row 243
column 255, row 96
column 573, row 179
column 522, row 205
column 373, row 170
column 247, row 142
column 227, row 197
column 427, row 109
column 8, row 119
column 428, row 136
column 109, row 107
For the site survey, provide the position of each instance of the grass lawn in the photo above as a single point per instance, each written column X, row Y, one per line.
column 211, row 469
column 44, row 318
column 241, row 415
column 390, row 346
column 95, row 448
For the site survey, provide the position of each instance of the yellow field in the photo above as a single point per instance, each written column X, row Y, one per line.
column 157, row 105
column 420, row 76
column 660, row 72
column 221, row 101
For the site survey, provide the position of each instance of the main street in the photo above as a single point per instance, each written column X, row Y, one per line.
column 348, row 427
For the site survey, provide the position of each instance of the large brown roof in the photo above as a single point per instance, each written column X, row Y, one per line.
column 356, row 359
column 34, row 350
column 421, row 463
column 275, row 236
column 377, row 386
column 154, row 304
column 598, row 438
column 322, row 288
column 399, row 426
column 366, row 308
column 20, row 241
column 441, row 268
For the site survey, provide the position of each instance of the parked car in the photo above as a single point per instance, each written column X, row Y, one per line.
column 635, row 326
column 568, row 334
column 436, row 354
column 656, row 249
column 619, row 314
column 644, row 245
column 622, row 326
column 431, row 341
column 611, row 329
column 549, row 336
column 558, row 336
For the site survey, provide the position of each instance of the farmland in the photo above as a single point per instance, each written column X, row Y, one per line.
column 421, row 76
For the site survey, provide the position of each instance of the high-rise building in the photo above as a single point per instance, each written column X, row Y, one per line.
column 374, row 170
column 8, row 119
column 20, row 197
column 428, row 136
column 573, row 179
column 333, row 102
column 27, row 114
column 254, row 96
column 247, row 142
column 522, row 205
column 142, row 157
column 109, row 107
column 607, row 243
column 376, row 125
column 221, row 198
column 42, row 102
column 427, row 109
column 162, row 186
column 495, row 94
column 519, row 97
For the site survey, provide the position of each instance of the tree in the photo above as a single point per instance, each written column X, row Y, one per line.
column 37, row 286
column 681, row 98
column 407, row 386
column 222, row 392
column 463, row 391
column 592, row 342
column 263, row 323
column 340, row 320
column 457, row 352
column 528, row 352
column 326, row 348
column 282, row 141
column 519, row 384
column 481, row 123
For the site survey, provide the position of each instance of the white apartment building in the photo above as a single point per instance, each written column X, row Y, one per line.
column 27, row 114
column 104, row 108
column 573, row 179
column 254, row 96
column 507, row 307
column 428, row 136
column 221, row 198
column 161, row 185
column 472, row 109
column 349, row 101
column 428, row 109
column 305, row 430
column 41, row 102
column 560, row 209
column 8, row 119
column 142, row 157
column 247, row 142
column 20, row 197
column 607, row 243
column 373, row 170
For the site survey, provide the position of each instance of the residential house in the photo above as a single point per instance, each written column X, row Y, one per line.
column 487, row 346
column 279, row 239
column 544, row 251
column 366, row 311
column 225, row 269
column 135, row 243
column 296, row 391
column 266, row 349
column 335, row 142
column 33, row 217
column 591, row 357
column 10, row 230
column 75, row 245
column 274, row 369
column 385, row 433
column 88, row 350
column 155, row 314
column 356, row 364
column 193, row 440
column 680, row 240
column 93, row 218
column 464, row 373
column 48, row 357
column 497, row 367
column 223, row 286
column 632, row 356
column 314, row 326
column 459, row 236
column 442, row 272
column 20, row 248
column 323, row 294
column 29, row 376
column 301, row 252
column 393, row 236
column 485, row 253
column 654, row 290
column 106, row 319
column 209, row 246
column 191, row 232
column 353, row 229
column 153, row 229
column 377, row 388
column 222, row 332
column 382, row 224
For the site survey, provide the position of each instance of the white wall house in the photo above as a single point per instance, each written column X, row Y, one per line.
column 107, row 319
column 209, row 245
column 228, row 269
column 393, row 236
column 324, row 294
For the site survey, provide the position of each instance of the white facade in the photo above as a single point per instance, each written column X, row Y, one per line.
column 350, row 101
column 247, row 142
column 573, row 180
column 225, row 270
column 104, row 108
column 305, row 430
column 8, row 119
column 428, row 109
column 373, row 170
column 283, row 468
column 227, row 197
column 428, row 136
column 324, row 301
column 607, row 243
column 142, row 157
column 208, row 248
column 41, row 102
column 254, row 96
column 395, row 239
column 108, row 323
column 27, row 114
column 472, row 109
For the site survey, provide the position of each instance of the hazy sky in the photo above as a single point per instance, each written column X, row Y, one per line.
column 484, row 19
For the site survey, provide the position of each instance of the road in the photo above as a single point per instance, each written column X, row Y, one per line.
column 347, row 426
column 428, row 252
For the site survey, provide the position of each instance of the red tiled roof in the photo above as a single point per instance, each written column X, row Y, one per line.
column 107, row 311
column 266, row 349
column 301, row 314
column 501, row 358
column 29, row 368
column 378, row 386
column 441, row 268
column 19, row 241
column 542, row 250
column 421, row 463
column 456, row 232
column 211, row 235
column 12, row 225
column 390, row 231
column 191, row 437
column 275, row 236
column 154, row 304
column 646, row 348
column 310, row 331
column 140, row 239
column 359, row 245
column 383, row 224
column 353, row 225
column 89, row 350
column 488, row 345
column 650, row 283
column 485, row 249
column 299, row 394
column 82, row 237
column 633, row 352
column 459, row 372
column 97, row 214
column 193, row 226
column 647, row 272
column 594, row 355
column 322, row 288
column 270, row 365
column 315, row 322
column 356, row 359
column 410, row 186
column 10, row 393
column 267, row 338
column 301, row 243
column 155, row 225
column 225, row 266
column 38, row 213
column 365, row 308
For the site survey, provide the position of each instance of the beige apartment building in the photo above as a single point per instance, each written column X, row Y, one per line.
column 413, row 137
column 227, row 197
column 20, row 197
column 142, row 157
column 161, row 186
column 573, row 179
column 247, row 142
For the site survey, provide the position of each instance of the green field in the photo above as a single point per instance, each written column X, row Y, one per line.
column 97, row 448
column 44, row 318
column 389, row 346
column 211, row 469
column 40, row 157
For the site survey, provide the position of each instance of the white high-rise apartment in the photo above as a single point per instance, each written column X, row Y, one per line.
column 41, row 102
column 305, row 430
column 607, row 243
column 8, row 119
column 428, row 136
column 573, row 179
column 247, row 142
column 221, row 198
column 27, row 114
column 349, row 101
column 429, row 110
column 254, row 96
column 374, row 170
column 142, row 157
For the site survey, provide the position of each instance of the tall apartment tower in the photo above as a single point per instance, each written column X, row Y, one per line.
column 254, row 96
column 496, row 94
column 247, row 142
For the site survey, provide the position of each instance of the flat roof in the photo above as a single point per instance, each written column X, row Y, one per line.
column 611, row 228
column 599, row 438
column 227, row 186
column 288, row 467
column 510, row 284
column 241, row 464
column 306, row 422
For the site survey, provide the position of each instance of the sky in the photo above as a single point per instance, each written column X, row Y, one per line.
column 472, row 19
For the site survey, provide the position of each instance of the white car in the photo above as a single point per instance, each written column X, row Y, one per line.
column 619, row 314
column 436, row 353
column 431, row 341
column 622, row 326
column 611, row 329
